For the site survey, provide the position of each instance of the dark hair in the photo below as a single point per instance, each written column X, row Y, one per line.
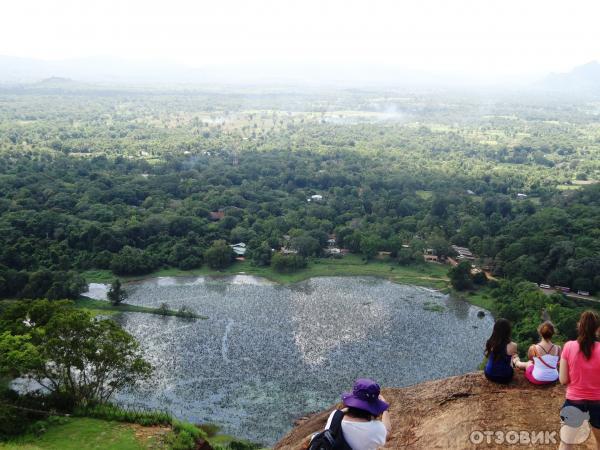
column 359, row 413
column 587, row 331
column 499, row 339
column 546, row 330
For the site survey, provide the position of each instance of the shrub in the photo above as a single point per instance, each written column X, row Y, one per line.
column 109, row 411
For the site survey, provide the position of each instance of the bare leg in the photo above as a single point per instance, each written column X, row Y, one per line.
column 597, row 436
column 596, row 431
column 523, row 365
column 564, row 446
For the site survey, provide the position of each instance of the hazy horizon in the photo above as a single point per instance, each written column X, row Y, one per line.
column 473, row 41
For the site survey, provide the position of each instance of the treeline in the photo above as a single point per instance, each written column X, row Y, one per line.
column 43, row 283
column 60, row 214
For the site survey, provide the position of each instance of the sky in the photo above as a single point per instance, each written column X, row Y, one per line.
column 487, row 38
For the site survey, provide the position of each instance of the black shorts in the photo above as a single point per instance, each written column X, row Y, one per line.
column 500, row 380
column 591, row 406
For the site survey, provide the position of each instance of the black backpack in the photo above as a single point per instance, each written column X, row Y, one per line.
column 331, row 438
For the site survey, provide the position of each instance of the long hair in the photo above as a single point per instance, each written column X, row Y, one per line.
column 359, row 413
column 499, row 339
column 587, row 329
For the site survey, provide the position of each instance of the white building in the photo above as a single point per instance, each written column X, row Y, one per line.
column 463, row 252
column 239, row 249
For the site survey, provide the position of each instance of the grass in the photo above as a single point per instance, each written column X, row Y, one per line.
column 80, row 433
column 481, row 298
column 433, row 307
column 428, row 275
column 102, row 307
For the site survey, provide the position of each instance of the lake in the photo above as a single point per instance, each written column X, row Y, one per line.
column 268, row 354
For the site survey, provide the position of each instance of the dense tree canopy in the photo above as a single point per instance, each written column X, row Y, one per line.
column 67, row 351
column 137, row 181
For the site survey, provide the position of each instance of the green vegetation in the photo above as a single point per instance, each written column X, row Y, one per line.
column 77, row 358
column 428, row 275
column 154, row 182
column 101, row 307
column 524, row 304
column 78, row 433
column 116, row 294
column 98, row 182
column 433, row 307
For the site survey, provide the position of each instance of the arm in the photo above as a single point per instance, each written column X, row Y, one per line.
column 385, row 417
column 563, row 371
column 531, row 352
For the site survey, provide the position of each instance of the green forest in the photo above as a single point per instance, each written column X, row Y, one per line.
column 127, row 182
column 136, row 181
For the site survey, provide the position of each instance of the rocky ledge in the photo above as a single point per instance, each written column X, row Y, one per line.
column 444, row 414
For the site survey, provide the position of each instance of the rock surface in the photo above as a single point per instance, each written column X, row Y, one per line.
column 443, row 413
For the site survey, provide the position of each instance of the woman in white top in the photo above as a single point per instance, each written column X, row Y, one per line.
column 366, row 422
column 542, row 367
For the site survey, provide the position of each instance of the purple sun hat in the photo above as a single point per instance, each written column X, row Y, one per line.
column 365, row 396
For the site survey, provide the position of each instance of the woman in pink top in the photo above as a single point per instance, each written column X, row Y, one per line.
column 580, row 371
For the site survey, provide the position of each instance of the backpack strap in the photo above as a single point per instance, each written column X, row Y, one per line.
column 336, row 422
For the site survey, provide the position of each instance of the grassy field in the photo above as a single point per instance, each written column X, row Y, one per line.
column 428, row 275
column 82, row 433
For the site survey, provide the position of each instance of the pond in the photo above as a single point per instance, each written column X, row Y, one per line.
column 268, row 354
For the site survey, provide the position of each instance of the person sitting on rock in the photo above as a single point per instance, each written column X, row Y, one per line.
column 542, row 367
column 366, row 422
column 500, row 351
column 580, row 371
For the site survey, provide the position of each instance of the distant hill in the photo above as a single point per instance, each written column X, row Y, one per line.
column 584, row 79
column 132, row 71
column 56, row 82
column 93, row 69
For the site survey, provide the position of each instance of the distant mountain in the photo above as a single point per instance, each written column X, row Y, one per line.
column 97, row 69
column 124, row 71
column 55, row 81
column 583, row 79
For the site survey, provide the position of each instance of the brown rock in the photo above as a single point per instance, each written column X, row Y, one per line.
column 442, row 414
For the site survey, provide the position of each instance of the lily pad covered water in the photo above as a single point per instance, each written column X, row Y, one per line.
column 269, row 354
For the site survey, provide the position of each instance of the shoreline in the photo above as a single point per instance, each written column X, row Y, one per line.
column 427, row 275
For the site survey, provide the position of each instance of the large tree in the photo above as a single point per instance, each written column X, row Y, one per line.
column 68, row 351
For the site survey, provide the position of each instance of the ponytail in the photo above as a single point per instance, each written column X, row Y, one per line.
column 587, row 330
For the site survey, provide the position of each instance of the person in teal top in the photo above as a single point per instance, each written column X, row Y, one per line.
column 500, row 351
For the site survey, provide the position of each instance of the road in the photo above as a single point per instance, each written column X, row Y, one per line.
column 571, row 295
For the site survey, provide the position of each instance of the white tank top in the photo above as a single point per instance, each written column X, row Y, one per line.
column 541, row 371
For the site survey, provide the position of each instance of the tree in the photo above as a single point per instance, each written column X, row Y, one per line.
column 261, row 256
column 369, row 244
column 70, row 352
column 306, row 246
column 219, row 255
column 480, row 278
column 460, row 276
column 133, row 261
column 116, row 294
column 287, row 263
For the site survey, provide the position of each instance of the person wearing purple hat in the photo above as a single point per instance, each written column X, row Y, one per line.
column 366, row 422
